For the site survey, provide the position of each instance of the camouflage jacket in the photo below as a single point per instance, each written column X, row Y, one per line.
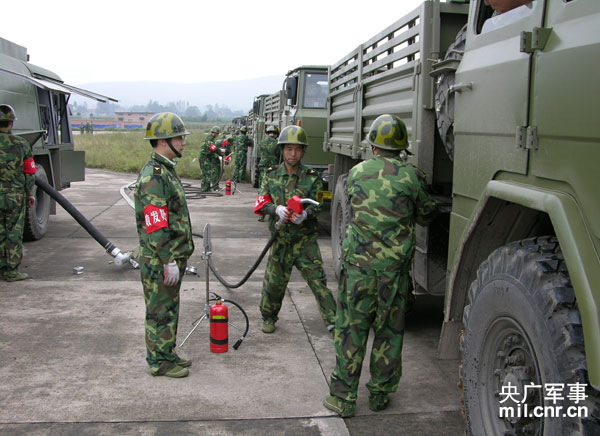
column 16, row 164
column 161, row 213
column 209, row 150
column 242, row 143
column 270, row 153
column 277, row 187
column 387, row 197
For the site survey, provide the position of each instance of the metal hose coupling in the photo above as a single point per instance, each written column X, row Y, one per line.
column 309, row 201
column 121, row 258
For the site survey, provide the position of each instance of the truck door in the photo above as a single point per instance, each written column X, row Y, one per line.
column 565, row 103
column 492, row 96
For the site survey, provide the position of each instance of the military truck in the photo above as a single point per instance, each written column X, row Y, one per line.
column 302, row 101
column 40, row 99
column 501, row 115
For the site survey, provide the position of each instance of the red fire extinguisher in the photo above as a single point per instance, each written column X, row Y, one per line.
column 219, row 334
column 228, row 187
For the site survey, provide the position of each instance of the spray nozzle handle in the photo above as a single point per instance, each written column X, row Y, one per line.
column 296, row 204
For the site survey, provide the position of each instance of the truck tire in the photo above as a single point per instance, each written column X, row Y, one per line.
column 340, row 218
column 445, row 110
column 522, row 325
column 37, row 217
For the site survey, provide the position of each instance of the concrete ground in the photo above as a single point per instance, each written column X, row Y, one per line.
column 72, row 353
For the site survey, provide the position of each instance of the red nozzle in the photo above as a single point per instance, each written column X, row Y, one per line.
column 295, row 204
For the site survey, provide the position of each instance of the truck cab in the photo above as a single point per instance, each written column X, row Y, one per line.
column 40, row 99
column 302, row 101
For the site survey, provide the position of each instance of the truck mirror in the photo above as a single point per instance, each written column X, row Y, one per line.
column 291, row 89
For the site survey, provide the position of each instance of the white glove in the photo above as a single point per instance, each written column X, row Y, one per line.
column 298, row 218
column 282, row 212
column 171, row 274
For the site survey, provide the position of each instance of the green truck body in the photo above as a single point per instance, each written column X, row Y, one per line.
column 501, row 117
column 302, row 101
column 40, row 99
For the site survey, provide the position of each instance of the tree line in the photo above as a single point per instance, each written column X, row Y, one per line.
column 182, row 108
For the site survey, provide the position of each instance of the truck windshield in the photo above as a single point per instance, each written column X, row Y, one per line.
column 315, row 90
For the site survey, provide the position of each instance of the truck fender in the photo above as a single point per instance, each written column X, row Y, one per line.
column 580, row 255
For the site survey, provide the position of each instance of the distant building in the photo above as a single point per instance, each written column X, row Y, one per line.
column 133, row 118
column 122, row 120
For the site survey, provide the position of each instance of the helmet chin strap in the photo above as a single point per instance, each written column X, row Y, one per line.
column 168, row 140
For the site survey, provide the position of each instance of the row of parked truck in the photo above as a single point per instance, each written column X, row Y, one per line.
column 502, row 118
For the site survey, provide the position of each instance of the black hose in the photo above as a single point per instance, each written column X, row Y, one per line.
column 249, row 273
column 83, row 222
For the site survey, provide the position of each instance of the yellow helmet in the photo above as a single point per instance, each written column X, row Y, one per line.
column 165, row 125
column 293, row 135
column 388, row 132
column 7, row 113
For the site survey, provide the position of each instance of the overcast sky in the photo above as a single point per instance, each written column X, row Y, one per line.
column 191, row 41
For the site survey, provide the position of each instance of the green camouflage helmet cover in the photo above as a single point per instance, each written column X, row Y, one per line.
column 7, row 113
column 165, row 125
column 215, row 129
column 388, row 132
column 273, row 129
column 293, row 135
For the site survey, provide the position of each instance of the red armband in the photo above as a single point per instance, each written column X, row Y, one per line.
column 156, row 218
column 261, row 200
column 29, row 166
column 213, row 147
column 225, row 143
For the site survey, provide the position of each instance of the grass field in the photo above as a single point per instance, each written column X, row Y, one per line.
column 127, row 152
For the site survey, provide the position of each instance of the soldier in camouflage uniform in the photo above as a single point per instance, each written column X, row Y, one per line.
column 269, row 151
column 387, row 197
column 226, row 147
column 241, row 152
column 210, row 165
column 17, row 170
column 165, row 233
column 296, row 243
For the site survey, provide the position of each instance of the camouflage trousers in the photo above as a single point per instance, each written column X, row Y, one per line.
column 369, row 299
column 240, row 167
column 12, row 222
column 211, row 172
column 305, row 255
column 162, row 311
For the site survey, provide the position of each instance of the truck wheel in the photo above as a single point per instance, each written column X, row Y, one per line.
column 37, row 217
column 340, row 218
column 445, row 109
column 522, row 326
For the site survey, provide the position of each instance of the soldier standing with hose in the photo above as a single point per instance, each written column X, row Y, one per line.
column 241, row 150
column 387, row 197
column 17, row 170
column 209, row 160
column 165, row 232
column 296, row 244
column 270, row 151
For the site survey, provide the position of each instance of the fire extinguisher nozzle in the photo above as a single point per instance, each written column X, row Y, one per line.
column 237, row 344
